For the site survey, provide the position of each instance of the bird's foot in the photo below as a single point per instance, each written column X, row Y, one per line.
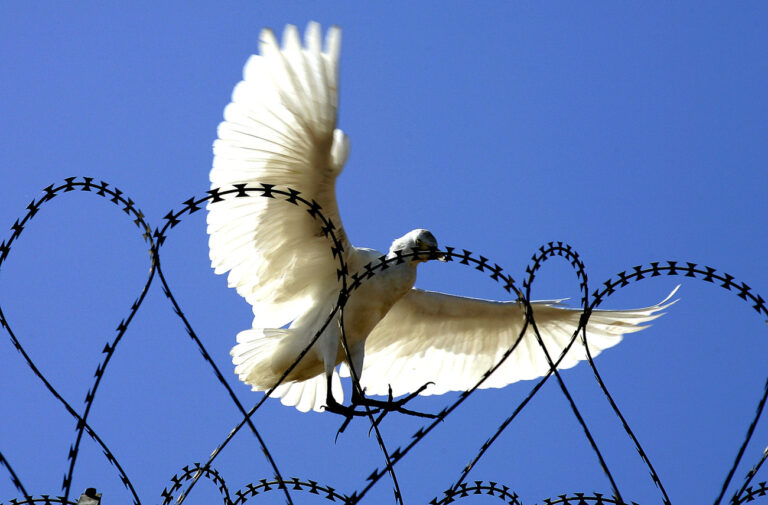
column 348, row 412
column 392, row 405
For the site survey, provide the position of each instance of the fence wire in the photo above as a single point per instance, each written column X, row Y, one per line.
column 292, row 489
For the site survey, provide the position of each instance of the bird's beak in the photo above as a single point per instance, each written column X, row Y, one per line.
column 434, row 254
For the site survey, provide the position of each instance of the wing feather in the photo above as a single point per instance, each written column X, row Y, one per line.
column 452, row 341
column 280, row 129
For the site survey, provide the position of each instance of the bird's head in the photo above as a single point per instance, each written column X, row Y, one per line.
column 417, row 240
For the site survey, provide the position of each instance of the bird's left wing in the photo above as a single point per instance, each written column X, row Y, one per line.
column 280, row 129
column 452, row 341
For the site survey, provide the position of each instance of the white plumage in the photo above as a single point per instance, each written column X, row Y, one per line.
column 280, row 128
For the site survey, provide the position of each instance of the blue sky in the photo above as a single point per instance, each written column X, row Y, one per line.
column 633, row 132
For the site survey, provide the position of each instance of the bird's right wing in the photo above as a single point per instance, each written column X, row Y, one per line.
column 452, row 341
column 280, row 129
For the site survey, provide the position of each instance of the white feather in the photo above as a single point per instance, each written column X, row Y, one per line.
column 280, row 129
column 430, row 331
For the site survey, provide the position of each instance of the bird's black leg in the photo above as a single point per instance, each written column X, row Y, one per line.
column 331, row 405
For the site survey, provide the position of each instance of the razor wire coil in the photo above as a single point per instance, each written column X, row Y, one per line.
column 350, row 281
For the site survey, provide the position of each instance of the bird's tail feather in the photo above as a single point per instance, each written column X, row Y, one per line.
column 252, row 356
column 310, row 394
column 257, row 358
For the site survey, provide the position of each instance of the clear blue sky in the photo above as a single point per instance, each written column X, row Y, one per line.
column 634, row 132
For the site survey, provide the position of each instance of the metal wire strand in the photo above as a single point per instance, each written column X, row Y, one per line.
column 350, row 281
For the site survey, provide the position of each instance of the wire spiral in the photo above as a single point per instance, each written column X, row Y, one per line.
column 181, row 484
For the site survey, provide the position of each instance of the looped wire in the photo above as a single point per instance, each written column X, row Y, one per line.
column 349, row 282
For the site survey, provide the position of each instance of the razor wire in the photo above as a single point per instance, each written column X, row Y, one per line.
column 350, row 281
column 128, row 206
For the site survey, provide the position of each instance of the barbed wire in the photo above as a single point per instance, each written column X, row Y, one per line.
column 349, row 282
column 103, row 189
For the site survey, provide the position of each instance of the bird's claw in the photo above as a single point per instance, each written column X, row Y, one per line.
column 392, row 405
column 348, row 412
column 372, row 407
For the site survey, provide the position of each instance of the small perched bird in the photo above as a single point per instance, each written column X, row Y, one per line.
column 280, row 129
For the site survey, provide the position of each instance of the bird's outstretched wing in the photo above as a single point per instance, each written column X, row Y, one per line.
column 280, row 129
column 452, row 341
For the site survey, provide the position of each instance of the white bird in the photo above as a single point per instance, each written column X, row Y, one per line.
column 280, row 128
